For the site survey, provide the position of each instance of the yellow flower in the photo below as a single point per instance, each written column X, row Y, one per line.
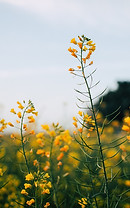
column 127, row 120
column 24, row 192
column 73, row 41
column 64, row 149
column 31, row 119
column 35, row 113
column 25, row 127
column 70, row 69
column 80, row 45
column 29, row 177
column 45, row 127
column 19, row 114
column 52, row 133
column 85, row 48
column 80, row 130
column 40, row 152
column 40, row 135
column 32, row 132
column 12, row 136
column 47, row 204
column 89, row 42
column 91, row 63
column 73, row 54
column 10, row 124
column 27, row 185
column 40, row 142
column 30, row 202
column 127, row 182
column 80, row 113
column 74, row 119
column 126, row 128
column 60, row 156
column 46, row 175
column 46, row 191
column 12, row 111
column 20, row 106
column 75, row 124
column 1, row 172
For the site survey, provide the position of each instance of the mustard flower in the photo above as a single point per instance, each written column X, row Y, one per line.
column 52, row 133
column 29, row 177
column 19, row 114
column 10, row 124
column 27, row 185
column 80, row 44
column 75, row 124
column 71, row 69
column 30, row 202
column 31, row 119
column 60, row 156
column 24, row 192
column 47, row 205
column 65, row 148
column 73, row 54
column 12, row 111
column 32, row 132
column 1, row 172
column 40, row 135
column 80, row 113
column 73, row 41
column 45, row 127
column 40, row 152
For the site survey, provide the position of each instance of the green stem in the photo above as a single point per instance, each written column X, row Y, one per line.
column 22, row 141
column 98, row 135
column 51, row 173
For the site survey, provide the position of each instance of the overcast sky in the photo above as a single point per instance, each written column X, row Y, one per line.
column 34, row 61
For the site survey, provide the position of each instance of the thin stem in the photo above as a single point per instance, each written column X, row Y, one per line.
column 98, row 135
column 22, row 141
column 51, row 173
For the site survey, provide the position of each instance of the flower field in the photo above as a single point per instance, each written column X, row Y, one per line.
column 87, row 167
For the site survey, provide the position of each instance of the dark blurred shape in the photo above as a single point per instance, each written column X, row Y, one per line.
column 115, row 99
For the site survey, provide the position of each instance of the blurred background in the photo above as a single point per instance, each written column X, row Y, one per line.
column 34, row 59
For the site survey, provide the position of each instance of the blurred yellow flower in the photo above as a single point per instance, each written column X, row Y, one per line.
column 80, row 44
column 27, row 185
column 10, row 124
column 47, row 205
column 45, row 127
column 60, row 156
column 73, row 41
column 32, row 132
column 29, row 177
column 24, row 192
column 12, row 111
column 19, row 114
column 31, row 119
column 40, row 152
column 40, row 135
column 30, row 202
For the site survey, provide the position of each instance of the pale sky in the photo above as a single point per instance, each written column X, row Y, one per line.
column 34, row 61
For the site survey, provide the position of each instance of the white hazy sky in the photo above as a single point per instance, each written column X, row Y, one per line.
column 34, row 61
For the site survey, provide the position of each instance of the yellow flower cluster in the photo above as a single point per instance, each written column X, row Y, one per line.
column 82, row 202
column 81, row 44
column 3, row 125
column 86, row 119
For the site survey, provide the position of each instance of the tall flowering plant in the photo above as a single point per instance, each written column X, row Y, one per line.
column 99, row 163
